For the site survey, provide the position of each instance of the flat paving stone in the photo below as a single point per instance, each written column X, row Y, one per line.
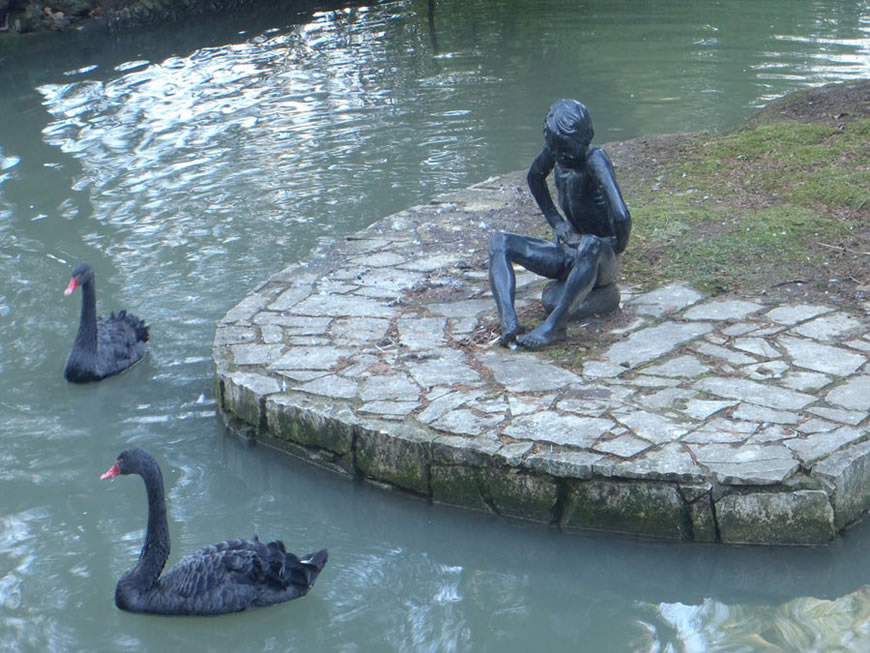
column 554, row 428
column 448, row 368
column 854, row 394
column 794, row 313
column 733, row 419
column 804, row 381
column 724, row 309
column 342, row 306
column 466, row 422
column 389, row 386
column 359, row 329
column 830, row 327
column 815, row 446
column 766, row 371
column 652, row 426
column 754, row 393
column 761, row 414
column 821, row 357
column 664, row 300
column 671, row 462
column 839, row 415
column 307, row 358
column 422, row 332
column 681, row 366
column 444, row 403
column 625, row 446
column 747, row 464
column 724, row 353
column 701, row 409
column 652, row 343
column 527, row 373
column 332, row 386
column 758, row 346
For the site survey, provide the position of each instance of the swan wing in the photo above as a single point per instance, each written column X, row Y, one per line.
column 235, row 575
column 243, row 562
column 120, row 341
column 123, row 330
column 210, row 569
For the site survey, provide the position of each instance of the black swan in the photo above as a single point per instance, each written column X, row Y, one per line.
column 225, row 577
column 102, row 347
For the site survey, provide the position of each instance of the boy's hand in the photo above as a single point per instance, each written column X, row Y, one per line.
column 565, row 234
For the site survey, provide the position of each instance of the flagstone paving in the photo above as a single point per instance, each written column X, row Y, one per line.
column 713, row 419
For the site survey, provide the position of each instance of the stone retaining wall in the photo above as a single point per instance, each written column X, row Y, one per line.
column 725, row 419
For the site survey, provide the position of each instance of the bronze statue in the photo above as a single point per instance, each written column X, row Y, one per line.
column 582, row 259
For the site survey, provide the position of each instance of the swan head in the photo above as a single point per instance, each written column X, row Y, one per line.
column 80, row 276
column 130, row 461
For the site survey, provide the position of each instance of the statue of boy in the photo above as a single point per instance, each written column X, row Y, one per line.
column 583, row 256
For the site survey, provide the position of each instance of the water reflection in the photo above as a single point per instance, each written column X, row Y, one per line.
column 277, row 127
column 803, row 624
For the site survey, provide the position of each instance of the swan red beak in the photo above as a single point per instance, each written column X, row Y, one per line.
column 73, row 284
column 114, row 470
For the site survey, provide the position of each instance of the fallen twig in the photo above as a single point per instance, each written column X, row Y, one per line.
column 785, row 283
column 842, row 249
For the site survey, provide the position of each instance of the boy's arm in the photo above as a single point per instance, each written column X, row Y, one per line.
column 540, row 169
column 601, row 167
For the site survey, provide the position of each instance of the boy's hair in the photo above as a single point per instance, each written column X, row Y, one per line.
column 568, row 118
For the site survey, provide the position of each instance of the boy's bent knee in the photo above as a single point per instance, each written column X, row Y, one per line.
column 589, row 246
column 498, row 243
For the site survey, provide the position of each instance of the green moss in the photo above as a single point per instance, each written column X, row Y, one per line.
column 833, row 187
column 719, row 164
column 737, row 206
column 391, row 458
column 458, row 485
column 802, row 517
column 666, row 217
column 507, row 491
column 779, row 139
column 521, row 495
column 308, row 425
column 654, row 509
column 747, row 245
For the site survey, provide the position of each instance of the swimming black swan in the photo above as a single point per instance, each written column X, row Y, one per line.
column 102, row 347
column 225, row 577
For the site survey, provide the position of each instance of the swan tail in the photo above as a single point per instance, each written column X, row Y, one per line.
column 140, row 329
column 316, row 560
column 288, row 569
column 311, row 566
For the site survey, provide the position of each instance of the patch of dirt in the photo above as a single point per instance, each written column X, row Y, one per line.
column 833, row 105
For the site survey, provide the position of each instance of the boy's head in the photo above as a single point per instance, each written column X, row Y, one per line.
column 568, row 130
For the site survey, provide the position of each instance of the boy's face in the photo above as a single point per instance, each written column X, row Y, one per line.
column 569, row 151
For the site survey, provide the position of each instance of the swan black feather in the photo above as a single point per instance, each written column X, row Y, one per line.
column 229, row 576
column 103, row 347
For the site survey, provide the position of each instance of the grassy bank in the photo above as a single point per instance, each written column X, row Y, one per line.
column 773, row 203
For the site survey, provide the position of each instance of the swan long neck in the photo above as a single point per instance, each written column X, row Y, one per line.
column 155, row 550
column 86, row 339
